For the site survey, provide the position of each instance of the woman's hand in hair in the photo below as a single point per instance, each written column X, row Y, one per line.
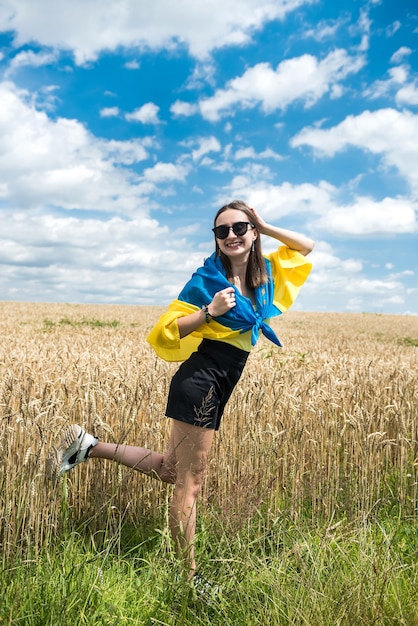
column 258, row 222
column 290, row 238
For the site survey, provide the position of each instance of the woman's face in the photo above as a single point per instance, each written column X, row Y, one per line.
column 235, row 246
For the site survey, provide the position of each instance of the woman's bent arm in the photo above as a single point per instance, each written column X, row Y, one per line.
column 290, row 238
column 221, row 303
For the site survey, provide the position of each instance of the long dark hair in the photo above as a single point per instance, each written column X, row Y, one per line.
column 256, row 268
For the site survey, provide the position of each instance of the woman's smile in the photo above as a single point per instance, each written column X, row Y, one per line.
column 235, row 244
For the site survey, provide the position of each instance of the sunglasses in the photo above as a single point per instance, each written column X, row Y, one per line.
column 239, row 229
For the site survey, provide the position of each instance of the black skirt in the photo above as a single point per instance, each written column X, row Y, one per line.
column 202, row 385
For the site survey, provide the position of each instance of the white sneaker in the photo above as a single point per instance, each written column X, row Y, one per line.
column 74, row 448
column 204, row 587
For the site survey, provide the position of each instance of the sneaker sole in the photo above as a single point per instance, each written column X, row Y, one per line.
column 54, row 460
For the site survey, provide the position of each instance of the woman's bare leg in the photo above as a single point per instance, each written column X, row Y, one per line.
column 184, row 464
column 192, row 446
column 161, row 466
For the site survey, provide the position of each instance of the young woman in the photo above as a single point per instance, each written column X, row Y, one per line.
column 211, row 327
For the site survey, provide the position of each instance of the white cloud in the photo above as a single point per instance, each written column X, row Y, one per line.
column 325, row 259
column 58, row 162
column 88, row 27
column 387, row 132
column 203, row 74
column 368, row 217
column 363, row 217
column 179, row 108
column 60, row 258
column 396, row 300
column 50, row 164
column 277, row 201
column 250, row 153
column 371, row 287
column 336, row 280
column 206, row 145
column 363, row 27
column 393, row 28
column 400, row 54
column 57, row 257
column 109, row 112
column 165, row 172
column 132, row 65
column 397, row 275
column 408, row 95
column 124, row 152
column 325, row 29
column 146, row 114
column 30, row 59
column 397, row 76
column 302, row 78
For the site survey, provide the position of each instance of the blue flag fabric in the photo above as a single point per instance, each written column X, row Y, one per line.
column 211, row 278
column 287, row 271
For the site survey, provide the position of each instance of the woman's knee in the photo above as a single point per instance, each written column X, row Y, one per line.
column 187, row 457
column 168, row 473
column 190, row 478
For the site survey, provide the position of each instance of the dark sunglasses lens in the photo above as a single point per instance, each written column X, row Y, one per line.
column 240, row 228
column 221, row 232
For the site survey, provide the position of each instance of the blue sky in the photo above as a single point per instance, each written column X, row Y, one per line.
column 125, row 125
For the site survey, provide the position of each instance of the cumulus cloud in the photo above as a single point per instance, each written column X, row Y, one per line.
column 30, row 59
column 146, row 114
column 386, row 132
column 73, row 259
column 303, row 78
column 59, row 163
column 180, row 108
column 397, row 76
column 205, row 146
column 109, row 112
column 277, row 201
column 408, row 95
column 393, row 28
column 319, row 204
column 76, row 209
column 400, row 54
column 326, row 259
column 363, row 27
column 370, row 217
column 325, row 29
column 132, row 65
column 335, row 279
column 201, row 26
column 166, row 172
column 250, row 153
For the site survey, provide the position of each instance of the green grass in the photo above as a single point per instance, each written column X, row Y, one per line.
column 409, row 341
column 271, row 571
column 88, row 322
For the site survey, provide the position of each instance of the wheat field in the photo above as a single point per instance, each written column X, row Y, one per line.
column 325, row 427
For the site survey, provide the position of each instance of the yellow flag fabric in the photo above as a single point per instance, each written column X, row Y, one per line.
column 165, row 336
column 289, row 271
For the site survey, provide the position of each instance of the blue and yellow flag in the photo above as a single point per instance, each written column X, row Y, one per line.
column 287, row 270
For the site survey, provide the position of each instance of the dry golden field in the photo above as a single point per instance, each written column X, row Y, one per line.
column 325, row 426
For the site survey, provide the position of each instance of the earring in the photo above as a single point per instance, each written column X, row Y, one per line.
column 253, row 247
